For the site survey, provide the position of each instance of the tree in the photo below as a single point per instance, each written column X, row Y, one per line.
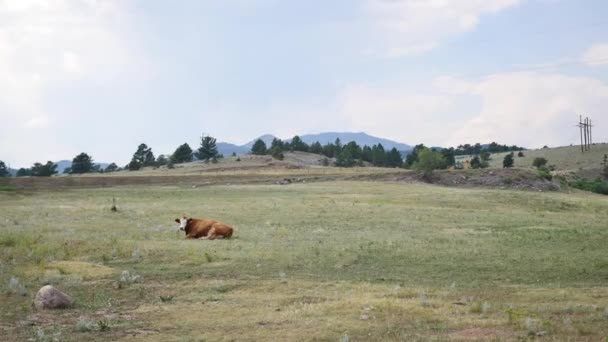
column 329, row 150
column 161, row 160
column 208, row 149
column 149, row 159
column 277, row 153
column 353, row 149
column 338, row 146
column 412, row 157
column 82, row 163
column 44, row 170
column 277, row 144
column 485, row 156
column 140, row 157
column 259, row 148
column 475, row 163
column 24, row 172
column 111, row 168
column 428, row 161
column 378, row 155
column 316, row 148
column 539, row 162
column 345, row 159
column 298, row 145
column 449, row 155
column 3, row 170
column 605, row 166
column 182, row 154
column 508, row 161
column 393, row 158
column 520, row 154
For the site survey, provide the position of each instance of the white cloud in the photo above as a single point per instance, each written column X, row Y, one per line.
column 531, row 109
column 410, row 27
column 596, row 55
column 44, row 44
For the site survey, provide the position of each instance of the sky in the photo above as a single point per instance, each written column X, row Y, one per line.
column 102, row 76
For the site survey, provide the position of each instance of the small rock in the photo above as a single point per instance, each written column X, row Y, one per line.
column 49, row 297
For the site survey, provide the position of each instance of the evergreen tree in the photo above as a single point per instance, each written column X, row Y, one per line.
column 259, row 148
column 82, row 163
column 277, row 153
column 508, row 161
column 316, row 148
column 277, row 144
column 366, row 154
column 182, row 154
column 22, row 172
column 139, row 157
column 208, row 149
column 329, row 150
column 3, row 170
column 111, row 168
column 448, row 154
column 393, row 158
column 353, row 149
column 378, row 155
column 44, row 170
column 338, row 146
column 149, row 159
column 298, row 145
column 345, row 158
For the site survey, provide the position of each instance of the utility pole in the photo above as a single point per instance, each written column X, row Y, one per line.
column 585, row 131
column 580, row 125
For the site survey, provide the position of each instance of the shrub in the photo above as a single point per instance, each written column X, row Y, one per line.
column 544, row 173
column 539, row 162
column 508, row 161
column 520, row 154
column 594, row 185
column 84, row 325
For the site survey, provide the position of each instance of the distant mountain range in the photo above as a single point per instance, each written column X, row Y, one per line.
column 360, row 138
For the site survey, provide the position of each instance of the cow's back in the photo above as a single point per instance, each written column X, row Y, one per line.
column 200, row 227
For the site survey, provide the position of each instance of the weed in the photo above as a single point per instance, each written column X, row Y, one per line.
column 84, row 325
column 166, row 299
column 103, row 325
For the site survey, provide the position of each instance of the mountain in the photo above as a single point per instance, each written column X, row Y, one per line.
column 360, row 138
column 227, row 149
column 266, row 138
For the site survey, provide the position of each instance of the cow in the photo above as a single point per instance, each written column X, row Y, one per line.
column 205, row 229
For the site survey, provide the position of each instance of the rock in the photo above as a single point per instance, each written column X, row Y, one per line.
column 49, row 297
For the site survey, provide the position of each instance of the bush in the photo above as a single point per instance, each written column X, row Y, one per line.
column 544, row 173
column 594, row 185
column 508, row 161
column 539, row 162
column 520, row 154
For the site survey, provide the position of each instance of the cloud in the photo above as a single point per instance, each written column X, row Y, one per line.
column 411, row 27
column 46, row 44
column 596, row 55
column 530, row 108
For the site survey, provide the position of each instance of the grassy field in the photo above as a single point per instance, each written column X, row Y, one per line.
column 330, row 261
column 565, row 158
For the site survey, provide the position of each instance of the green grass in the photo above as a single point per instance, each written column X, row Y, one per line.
column 320, row 261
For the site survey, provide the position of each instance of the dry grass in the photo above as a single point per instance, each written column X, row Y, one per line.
column 322, row 261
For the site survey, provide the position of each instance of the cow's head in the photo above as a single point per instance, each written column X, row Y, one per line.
column 183, row 222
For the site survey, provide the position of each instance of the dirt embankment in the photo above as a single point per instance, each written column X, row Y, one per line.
column 489, row 178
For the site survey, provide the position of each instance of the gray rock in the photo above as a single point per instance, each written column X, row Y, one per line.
column 49, row 297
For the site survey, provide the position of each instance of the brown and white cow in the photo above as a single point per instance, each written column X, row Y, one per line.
column 204, row 228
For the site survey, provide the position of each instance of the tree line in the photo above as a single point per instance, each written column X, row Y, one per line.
column 346, row 155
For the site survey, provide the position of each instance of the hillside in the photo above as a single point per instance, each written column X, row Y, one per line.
column 565, row 158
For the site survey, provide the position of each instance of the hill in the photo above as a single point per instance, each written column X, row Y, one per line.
column 565, row 158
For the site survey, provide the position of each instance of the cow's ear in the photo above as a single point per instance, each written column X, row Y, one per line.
column 177, row 220
column 189, row 219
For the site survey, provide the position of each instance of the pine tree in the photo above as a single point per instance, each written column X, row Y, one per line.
column 22, row 172
column 111, row 168
column 508, row 161
column 140, row 157
column 366, row 154
column 277, row 144
column 345, row 159
column 3, row 170
column 149, row 159
column 182, row 154
column 259, row 148
column 393, row 158
column 298, row 145
column 316, row 148
column 338, row 145
column 161, row 160
column 378, row 155
column 412, row 157
column 208, row 149
column 82, row 163
column 44, row 170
